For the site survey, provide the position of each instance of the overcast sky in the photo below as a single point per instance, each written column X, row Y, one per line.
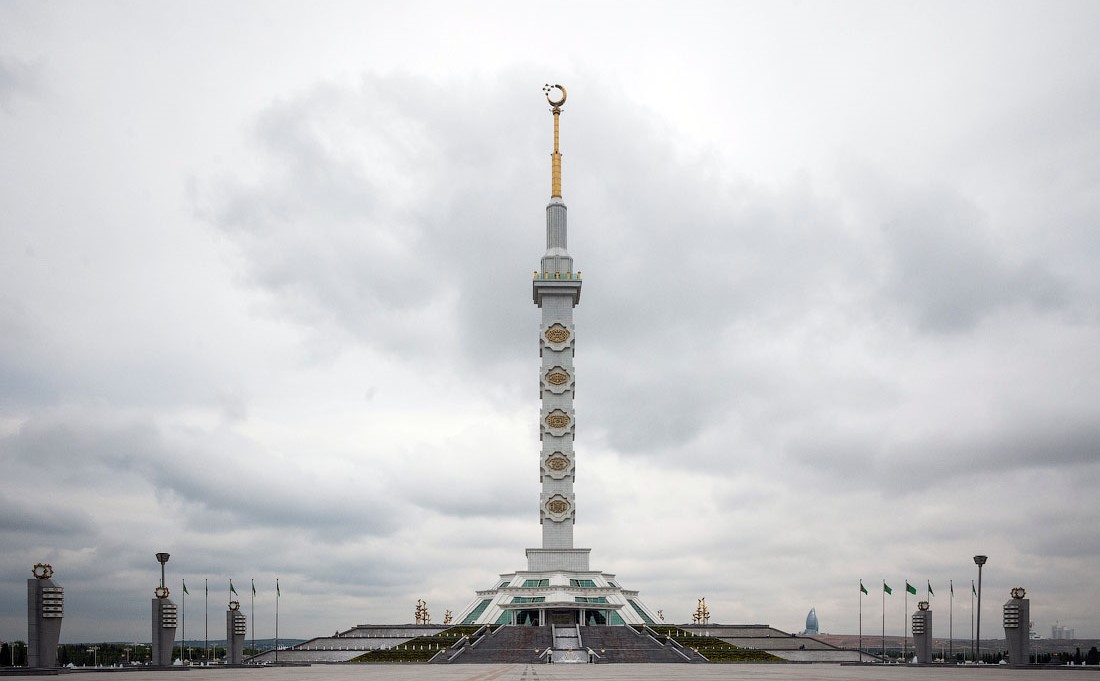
column 265, row 304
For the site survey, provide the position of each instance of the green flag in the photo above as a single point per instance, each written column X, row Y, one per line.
column 973, row 591
column 253, row 588
column 185, row 588
column 910, row 588
column 930, row 591
column 952, row 583
column 887, row 589
column 234, row 591
column 862, row 588
column 278, row 593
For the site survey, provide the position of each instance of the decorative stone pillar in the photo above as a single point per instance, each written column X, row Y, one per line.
column 236, row 628
column 1017, row 618
column 922, row 633
column 45, row 608
column 163, row 621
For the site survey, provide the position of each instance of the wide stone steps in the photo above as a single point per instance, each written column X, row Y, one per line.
column 625, row 645
column 508, row 644
column 526, row 644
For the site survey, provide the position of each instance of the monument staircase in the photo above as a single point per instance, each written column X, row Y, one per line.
column 567, row 644
column 504, row 644
column 619, row 644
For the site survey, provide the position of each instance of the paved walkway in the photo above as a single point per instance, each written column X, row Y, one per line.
column 599, row 672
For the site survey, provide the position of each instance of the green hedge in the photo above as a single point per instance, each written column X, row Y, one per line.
column 419, row 649
column 714, row 648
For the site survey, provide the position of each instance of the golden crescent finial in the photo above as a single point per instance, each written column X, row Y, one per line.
column 548, row 88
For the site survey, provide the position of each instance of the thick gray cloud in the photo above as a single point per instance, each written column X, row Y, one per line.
column 387, row 212
column 17, row 79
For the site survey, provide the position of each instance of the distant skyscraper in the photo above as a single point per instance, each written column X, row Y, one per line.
column 811, row 622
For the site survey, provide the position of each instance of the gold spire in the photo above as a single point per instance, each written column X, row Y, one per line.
column 556, row 104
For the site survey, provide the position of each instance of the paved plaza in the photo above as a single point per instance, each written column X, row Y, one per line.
column 624, row 672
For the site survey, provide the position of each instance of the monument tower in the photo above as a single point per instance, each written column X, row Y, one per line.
column 556, row 289
column 558, row 586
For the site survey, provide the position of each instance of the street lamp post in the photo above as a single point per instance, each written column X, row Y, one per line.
column 162, row 558
column 979, row 561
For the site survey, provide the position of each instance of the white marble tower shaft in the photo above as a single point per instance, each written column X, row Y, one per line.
column 556, row 290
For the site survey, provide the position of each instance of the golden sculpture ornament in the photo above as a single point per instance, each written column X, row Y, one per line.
column 42, row 570
column 557, row 419
column 422, row 614
column 548, row 88
column 1018, row 592
column 702, row 613
column 555, row 158
column 557, row 462
column 161, row 592
column 448, row 617
column 557, row 334
column 557, row 377
column 234, row 605
column 557, row 506
column 923, row 605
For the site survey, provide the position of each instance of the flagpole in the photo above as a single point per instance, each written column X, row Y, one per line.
column 905, row 625
column 860, row 654
column 928, row 597
column 253, row 617
column 277, row 596
column 183, row 618
column 884, row 621
column 206, row 643
column 951, row 624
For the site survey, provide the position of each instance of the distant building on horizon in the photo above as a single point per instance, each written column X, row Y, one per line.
column 811, row 622
column 1062, row 633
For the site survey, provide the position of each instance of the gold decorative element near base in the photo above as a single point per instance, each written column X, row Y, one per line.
column 557, row 462
column 702, row 613
column 422, row 614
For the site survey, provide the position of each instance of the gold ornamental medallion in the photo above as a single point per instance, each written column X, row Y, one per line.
column 557, row 419
column 557, row 334
column 557, row 377
column 557, row 506
column 557, row 462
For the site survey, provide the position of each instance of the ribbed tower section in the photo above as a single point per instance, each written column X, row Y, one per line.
column 557, row 290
